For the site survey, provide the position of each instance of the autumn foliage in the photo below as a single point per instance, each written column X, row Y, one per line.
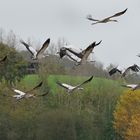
column 127, row 115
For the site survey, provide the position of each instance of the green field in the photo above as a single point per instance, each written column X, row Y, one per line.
column 29, row 80
column 99, row 84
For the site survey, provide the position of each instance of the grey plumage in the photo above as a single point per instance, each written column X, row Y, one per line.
column 36, row 54
column 70, row 88
column 108, row 19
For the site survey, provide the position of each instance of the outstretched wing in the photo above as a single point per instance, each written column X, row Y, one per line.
column 84, row 82
column 125, row 86
column 132, row 86
column 113, row 71
column 66, row 86
column 36, row 87
column 134, row 68
column 44, row 47
column 2, row 60
column 125, row 72
column 29, row 48
column 98, row 43
column 19, row 92
column 117, row 14
column 72, row 58
column 74, row 52
column 88, row 51
column 89, row 17
column 138, row 68
column 89, row 48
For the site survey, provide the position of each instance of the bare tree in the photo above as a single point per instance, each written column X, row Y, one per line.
column 2, row 32
column 11, row 39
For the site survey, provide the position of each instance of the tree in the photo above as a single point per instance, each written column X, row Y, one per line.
column 11, row 39
column 133, row 132
column 14, row 68
column 1, row 35
column 127, row 114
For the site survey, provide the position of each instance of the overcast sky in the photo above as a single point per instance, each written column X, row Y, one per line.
column 40, row 19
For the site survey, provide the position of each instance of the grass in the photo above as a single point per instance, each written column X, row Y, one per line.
column 97, row 84
column 30, row 80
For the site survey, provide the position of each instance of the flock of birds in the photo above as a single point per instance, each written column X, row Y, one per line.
column 69, row 52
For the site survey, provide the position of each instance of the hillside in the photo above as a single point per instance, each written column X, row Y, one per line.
column 95, row 85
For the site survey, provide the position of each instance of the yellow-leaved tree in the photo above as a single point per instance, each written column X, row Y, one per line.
column 127, row 115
